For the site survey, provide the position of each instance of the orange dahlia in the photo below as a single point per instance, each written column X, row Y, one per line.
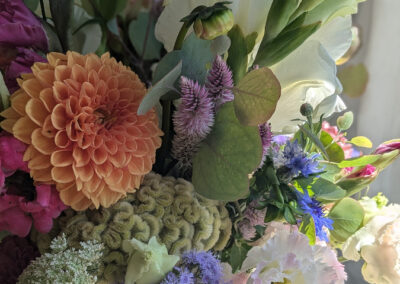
column 78, row 116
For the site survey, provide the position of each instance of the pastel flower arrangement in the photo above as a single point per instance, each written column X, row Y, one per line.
column 185, row 141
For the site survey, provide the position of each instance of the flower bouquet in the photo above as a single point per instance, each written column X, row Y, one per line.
column 185, row 141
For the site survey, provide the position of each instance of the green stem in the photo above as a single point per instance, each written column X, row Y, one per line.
column 181, row 36
column 166, row 126
column 43, row 10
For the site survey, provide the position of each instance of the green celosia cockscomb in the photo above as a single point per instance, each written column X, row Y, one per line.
column 148, row 263
column 164, row 207
column 64, row 264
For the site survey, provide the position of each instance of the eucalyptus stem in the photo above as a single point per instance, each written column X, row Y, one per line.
column 181, row 36
column 43, row 11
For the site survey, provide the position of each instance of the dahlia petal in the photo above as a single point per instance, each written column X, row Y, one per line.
column 10, row 113
column 56, row 58
column 60, row 91
column 61, row 158
column 23, row 129
column 63, row 174
column 39, row 162
column 92, row 185
column 112, row 83
column 45, row 77
column 104, row 170
column 42, row 175
column 61, row 139
column 71, row 196
column 75, row 59
column 36, row 111
column 8, row 124
column 72, row 106
column 85, row 173
column 93, row 77
column 148, row 164
column 80, row 156
column 42, row 143
column 131, row 145
column 136, row 165
column 47, row 128
column 78, row 73
column 88, row 90
column 46, row 96
column 92, row 63
column 18, row 101
column 32, row 87
column 62, row 73
column 118, row 159
column 115, row 177
column 142, row 149
column 105, row 73
column 99, row 155
column 111, row 147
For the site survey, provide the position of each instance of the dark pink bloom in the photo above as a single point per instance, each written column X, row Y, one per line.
column 19, row 27
column 388, row 147
column 339, row 139
column 15, row 255
column 219, row 82
column 367, row 171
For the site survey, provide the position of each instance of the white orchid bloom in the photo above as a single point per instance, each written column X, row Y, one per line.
column 250, row 15
column 308, row 75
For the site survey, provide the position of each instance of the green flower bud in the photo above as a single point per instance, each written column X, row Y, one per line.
column 306, row 110
column 219, row 23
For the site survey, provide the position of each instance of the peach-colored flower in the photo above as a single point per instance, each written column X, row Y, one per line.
column 78, row 115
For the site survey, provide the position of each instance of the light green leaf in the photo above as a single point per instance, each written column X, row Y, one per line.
column 237, row 256
column 359, row 162
column 225, row 159
column 256, row 96
column 347, row 216
column 323, row 189
column 334, row 151
column 361, row 141
column 345, row 121
column 237, row 53
column 386, row 159
column 354, row 79
column 162, row 87
column 31, row 4
column 4, row 94
column 314, row 139
column 286, row 42
column 220, row 45
column 279, row 16
column 137, row 35
column 305, row 6
column 307, row 227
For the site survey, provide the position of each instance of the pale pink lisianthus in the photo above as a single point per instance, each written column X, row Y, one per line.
column 338, row 138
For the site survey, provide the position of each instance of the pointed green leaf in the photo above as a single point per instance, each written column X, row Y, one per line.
column 361, row 141
column 323, row 189
column 305, row 6
column 226, row 157
column 335, row 152
column 61, row 13
column 314, row 139
column 237, row 256
column 162, row 87
column 256, row 96
column 359, row 161
column 307, row 227
column 347, row 216
column 237, row 53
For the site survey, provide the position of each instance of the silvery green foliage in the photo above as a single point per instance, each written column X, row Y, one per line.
column 64, row 264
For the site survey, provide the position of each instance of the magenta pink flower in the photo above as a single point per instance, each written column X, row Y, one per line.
column 367, row 171
column 339, row 139
column 388, row 147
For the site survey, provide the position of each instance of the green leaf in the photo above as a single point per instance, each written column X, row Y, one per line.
column 4, row 94
column 54, row 41
column 345, row 121
column 335, row 152
column 323, row 189
column 163, row 86
column 286, row 42
column 307, row 227
column 166, row 64
column 361, row 141
column 256, row 96
column 225, row 159
column 347, row 216
column 137, row 34
column 237, row 256
column 108, row 9
column 237, row 53
column 386, row 159
column 305, row 6
column 288, row 214
column 331, row 171
column 272, row 213
column 354, row 79
column 251, row 41
column 314, row 139
column 61, row 13
column 359, row 161
column 196, row 57
column 31, row 4
column 278, row 17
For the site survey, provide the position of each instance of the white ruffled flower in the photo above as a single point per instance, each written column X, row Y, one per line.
column 378, row 243
column 287, row 256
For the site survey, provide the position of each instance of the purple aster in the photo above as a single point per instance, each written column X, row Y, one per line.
column 209, row 267
column 294, row 161
column 313, row 207
column 219, row 82
column 179, row 276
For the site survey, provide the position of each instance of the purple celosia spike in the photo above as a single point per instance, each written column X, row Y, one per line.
column 266, row 135
column 192, row 121
column 219, row 79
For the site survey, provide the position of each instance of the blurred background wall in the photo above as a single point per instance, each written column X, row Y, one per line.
column 377, row 111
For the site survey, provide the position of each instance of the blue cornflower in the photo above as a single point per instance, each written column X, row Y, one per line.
column 209, row 266
column 295, row 161
column 311, row 206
